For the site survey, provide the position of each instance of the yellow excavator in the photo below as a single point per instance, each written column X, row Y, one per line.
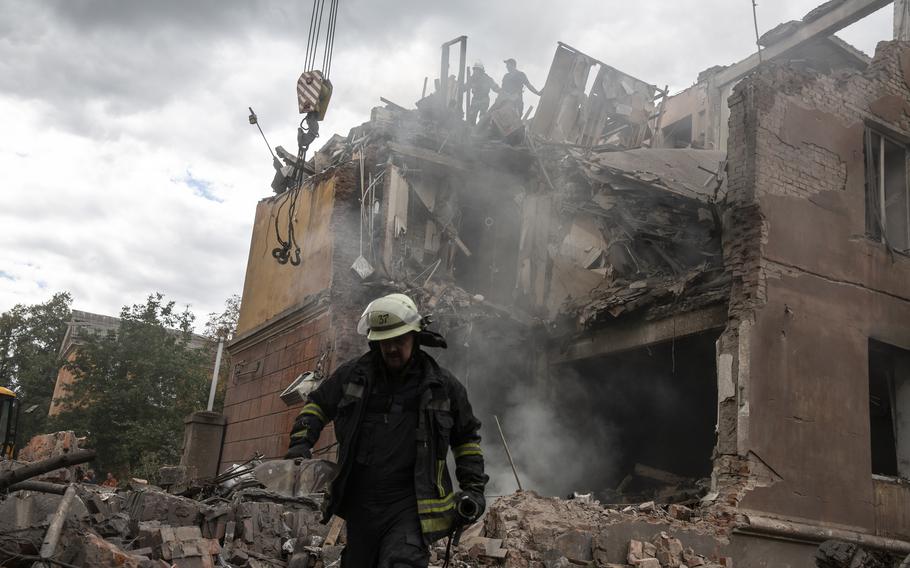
column 9, row 420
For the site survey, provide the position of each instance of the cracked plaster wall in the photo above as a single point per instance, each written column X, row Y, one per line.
column 809, row 290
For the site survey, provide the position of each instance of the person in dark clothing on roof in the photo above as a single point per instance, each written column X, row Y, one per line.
column 513, row 84
column 396, row 414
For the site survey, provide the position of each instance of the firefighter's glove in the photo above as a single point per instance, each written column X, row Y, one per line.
column 298, row 451
column 469, row 506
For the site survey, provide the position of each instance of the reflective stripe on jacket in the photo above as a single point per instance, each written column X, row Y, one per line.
column 445, row 420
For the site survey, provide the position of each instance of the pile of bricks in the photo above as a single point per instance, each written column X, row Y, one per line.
column 664, row 551
column 257, row 525
column 525, row 530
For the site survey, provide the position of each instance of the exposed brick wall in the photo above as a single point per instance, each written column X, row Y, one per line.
column 65, row 379
column 348, row 294
column 809, row 289
column 258, row 420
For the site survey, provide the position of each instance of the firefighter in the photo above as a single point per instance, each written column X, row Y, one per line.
column 480, row 85
column 396, row 414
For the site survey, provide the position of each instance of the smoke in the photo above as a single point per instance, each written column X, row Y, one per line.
column 559, row 444
column 552, row 456
column 584, row 426
column 572, row 428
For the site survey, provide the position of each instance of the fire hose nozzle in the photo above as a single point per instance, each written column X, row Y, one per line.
column 467, row 508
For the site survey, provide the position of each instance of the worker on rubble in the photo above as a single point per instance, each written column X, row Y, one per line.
column 513, row 84
column 480, row 85
column 110, row 481
column 396, row 414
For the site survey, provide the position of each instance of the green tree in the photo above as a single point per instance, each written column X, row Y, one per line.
column 221, row 327
column 30, row 339
column 133, row 388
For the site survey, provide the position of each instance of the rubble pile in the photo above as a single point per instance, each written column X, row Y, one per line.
column 525, row 530
column 265, row 515
column 647, row 221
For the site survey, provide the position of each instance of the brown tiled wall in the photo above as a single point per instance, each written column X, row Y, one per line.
column 258, row 420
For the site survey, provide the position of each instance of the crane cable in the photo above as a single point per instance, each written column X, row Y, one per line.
column 315, row 34
column 283, row 253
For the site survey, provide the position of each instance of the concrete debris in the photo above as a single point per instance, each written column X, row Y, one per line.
column 255, row 524
column 524, row 530
column 837, row 554
column 153, row 504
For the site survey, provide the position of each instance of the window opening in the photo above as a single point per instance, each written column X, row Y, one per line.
column 889, row 409
column 887, row 200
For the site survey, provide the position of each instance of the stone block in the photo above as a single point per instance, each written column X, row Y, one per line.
column 576, row 546
column 101, row 553
column 151, row 504
column 202, row 439
column 172, row 476
column 680, row 512
column 691, row 559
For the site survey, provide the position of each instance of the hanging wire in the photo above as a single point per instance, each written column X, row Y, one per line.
column 755, row 22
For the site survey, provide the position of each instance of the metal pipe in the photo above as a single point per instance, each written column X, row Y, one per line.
column 766, row 526
column 757, row 39
column 363, row 191
column 215, row 376
column 508, row 453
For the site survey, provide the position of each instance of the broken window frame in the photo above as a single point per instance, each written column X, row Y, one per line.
column 889, row 366
column 875, row 149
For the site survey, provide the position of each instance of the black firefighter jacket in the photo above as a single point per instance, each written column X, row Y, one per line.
column 445, row 420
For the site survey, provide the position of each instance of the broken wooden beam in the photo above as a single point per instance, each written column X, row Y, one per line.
column 634, row 335
column 663, row 476
column 848, row 12
column 34, row 469
column 334, row 531
column 428, row 155
column 391, row 105
column 40, row 486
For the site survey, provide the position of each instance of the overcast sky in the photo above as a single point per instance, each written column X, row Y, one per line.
column 127, row 165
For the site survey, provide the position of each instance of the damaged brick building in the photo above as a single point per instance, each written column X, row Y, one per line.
column 714, row 283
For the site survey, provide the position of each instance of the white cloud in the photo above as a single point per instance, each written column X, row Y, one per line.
column 128, row 165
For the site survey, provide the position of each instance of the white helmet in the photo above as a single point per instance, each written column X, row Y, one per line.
column 478, row 65
column 390, row 316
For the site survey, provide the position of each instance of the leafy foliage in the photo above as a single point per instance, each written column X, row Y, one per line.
column 221, row 327
column 133, row 388
column 30, row 338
